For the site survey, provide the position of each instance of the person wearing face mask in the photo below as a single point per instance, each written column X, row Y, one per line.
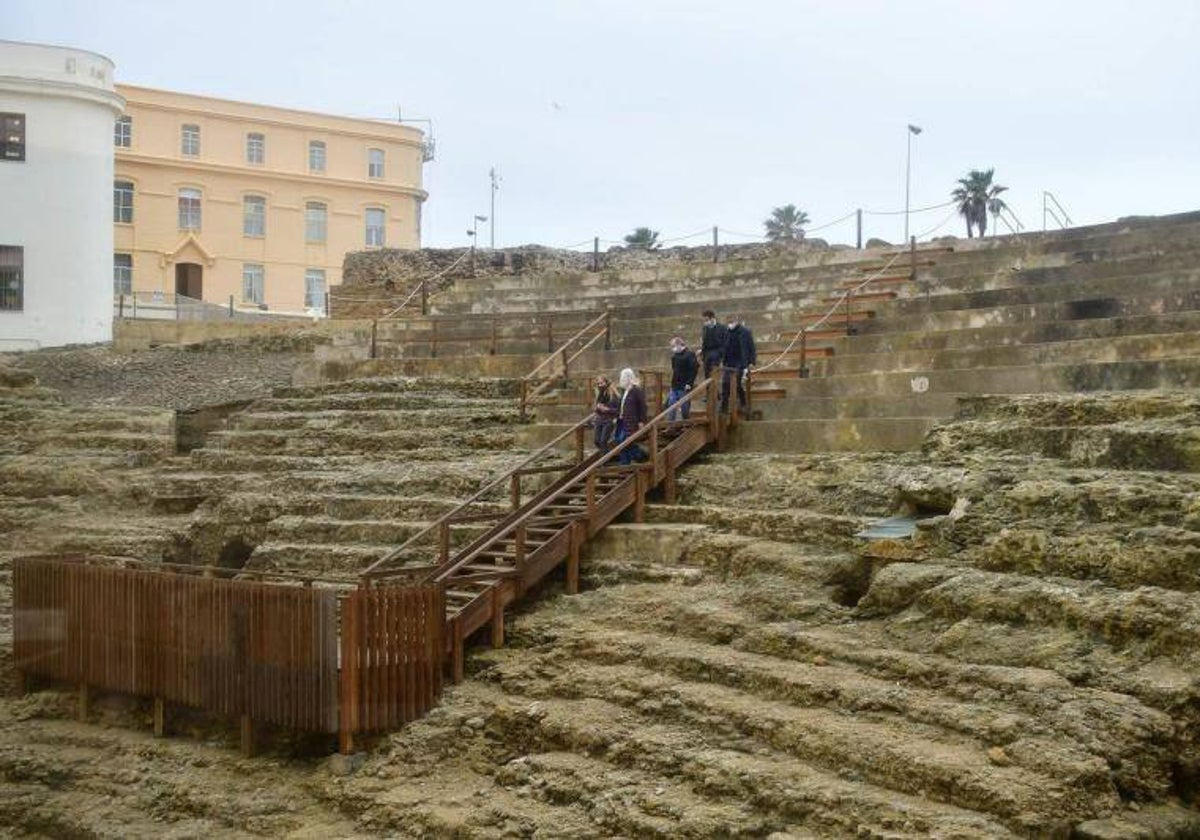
column 683, row 377
column 740, row 356
column 712, row 342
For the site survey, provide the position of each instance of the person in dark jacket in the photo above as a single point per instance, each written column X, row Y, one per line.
column 605, row 410
column 631, row 415
column 683, row 376
column 713, row 337
column 740, row 356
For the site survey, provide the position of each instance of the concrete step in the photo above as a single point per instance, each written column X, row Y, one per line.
column 868, row 434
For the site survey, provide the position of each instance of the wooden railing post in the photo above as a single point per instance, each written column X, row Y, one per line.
column 590, row 495
column 669, row 487
column 514, row 491
column 519, row 545
column 579, row 435
column 639, row 500
column 578, row 535
column 711, row 406
column 655, row 473
column 497, row 616
column 444, row 542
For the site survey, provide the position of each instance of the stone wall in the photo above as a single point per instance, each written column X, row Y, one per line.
column 378, row 281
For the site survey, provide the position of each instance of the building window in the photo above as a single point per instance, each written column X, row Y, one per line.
column 189, row 209
column 12, row 278
column 316, row 156
column 122, row 202
column 256, row 148
column 12, row 137
column 252, row 283
column 374, row 163
column 254, row 215
column 123, row 132
column 122, row 274
column 375, row 227
column 314, row 288
column 191, row 140
column 315, row 224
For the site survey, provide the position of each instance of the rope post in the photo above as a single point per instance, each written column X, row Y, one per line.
column 374, row 329
column 424, row 298
column 608, row 329
column 596, row 254
column 524, row 395
column 715, row 251
column 565, row 363
column 433, row 338
column 492, row 350
column 803, row 372
column 912, row 259
column 849, row 301
column 549, row 335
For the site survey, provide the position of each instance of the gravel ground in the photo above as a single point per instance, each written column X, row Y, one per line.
column 170, row 377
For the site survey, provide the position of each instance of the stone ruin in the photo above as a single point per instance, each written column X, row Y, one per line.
column 1013, row 654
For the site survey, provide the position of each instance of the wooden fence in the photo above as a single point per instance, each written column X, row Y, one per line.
column 259, row 651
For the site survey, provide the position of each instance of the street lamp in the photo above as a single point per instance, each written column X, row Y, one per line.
column 912, row 130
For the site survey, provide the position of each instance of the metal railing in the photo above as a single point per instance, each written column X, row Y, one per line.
column 1051, row 208
column 170, row 306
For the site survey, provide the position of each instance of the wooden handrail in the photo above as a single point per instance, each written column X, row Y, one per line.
column 492, row 485
column 586, row 470
column 603, row 316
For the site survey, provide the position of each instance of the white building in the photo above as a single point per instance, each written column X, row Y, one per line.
column 57, row 110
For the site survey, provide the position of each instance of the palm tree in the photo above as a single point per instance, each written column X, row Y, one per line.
column 786, row 223
column 642, row 237
column 977, row 196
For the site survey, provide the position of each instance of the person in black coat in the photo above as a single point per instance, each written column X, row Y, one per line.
column 740, row 355
column 683, row 376
column 713, row 338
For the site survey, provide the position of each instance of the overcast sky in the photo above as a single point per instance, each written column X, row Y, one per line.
column 683, row 114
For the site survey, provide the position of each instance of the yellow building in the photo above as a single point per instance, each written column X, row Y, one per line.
column 228, row 201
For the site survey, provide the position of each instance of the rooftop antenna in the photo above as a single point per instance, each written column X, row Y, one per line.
column 429, row 144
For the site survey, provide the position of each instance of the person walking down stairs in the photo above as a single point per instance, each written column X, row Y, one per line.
column 713, row 337
column 605, row 410
column 631, row 415
column 683, row 376
column 740, row 356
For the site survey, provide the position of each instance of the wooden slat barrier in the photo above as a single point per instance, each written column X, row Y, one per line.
column 264, row 652
column 392, row 655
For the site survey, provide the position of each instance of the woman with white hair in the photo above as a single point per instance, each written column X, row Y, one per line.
column 631, row 415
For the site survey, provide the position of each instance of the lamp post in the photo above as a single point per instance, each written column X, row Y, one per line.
column 912, row 130
column 495, row 186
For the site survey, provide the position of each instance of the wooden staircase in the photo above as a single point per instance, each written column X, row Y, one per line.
column 538, row 535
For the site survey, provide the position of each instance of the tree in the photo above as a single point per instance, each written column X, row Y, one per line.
column 977, row 196
column 642, row 237
column 786, row 224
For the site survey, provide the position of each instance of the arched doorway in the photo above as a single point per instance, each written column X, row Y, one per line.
column 189, row 280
